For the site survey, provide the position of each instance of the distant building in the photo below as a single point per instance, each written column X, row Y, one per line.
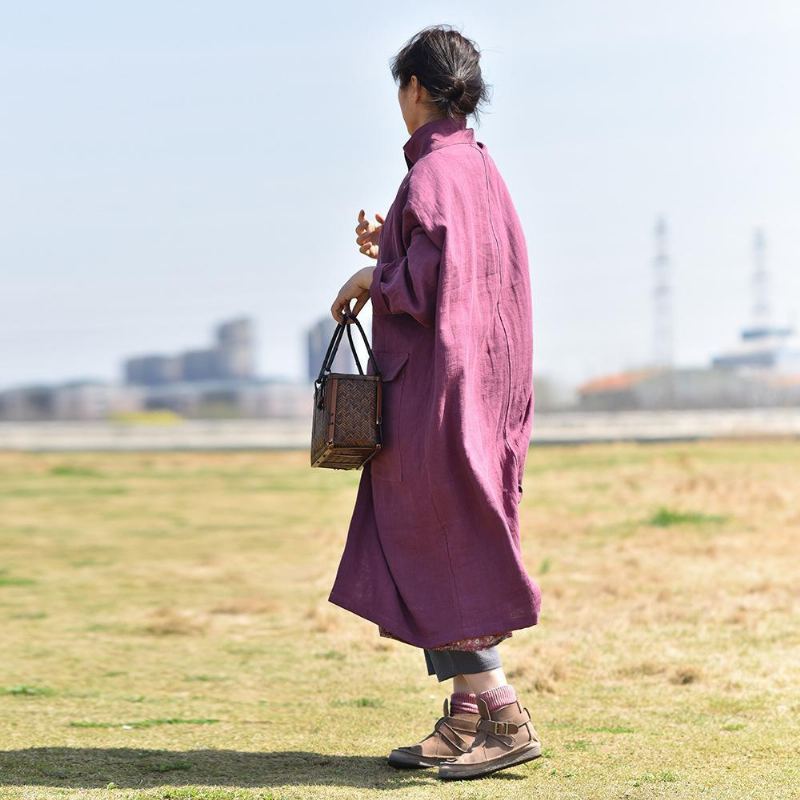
column 688, row 388
column 76, row 400
column 763, row 348
column 27, row 403
column 232, row 357
column 317, row 340
column 229, row 399
column 199, row 365
column 278, row 399
column 216, row 381
column 94, row 400
column 552, row 395
column 152, row 370
column 236, row 349
column 195, row 398
column 618, row 391
column 202, row 383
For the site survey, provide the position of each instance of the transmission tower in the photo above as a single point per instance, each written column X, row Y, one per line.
column 761, row 309
column 662, row 298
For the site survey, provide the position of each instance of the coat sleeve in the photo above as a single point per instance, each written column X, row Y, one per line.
column 409, row 284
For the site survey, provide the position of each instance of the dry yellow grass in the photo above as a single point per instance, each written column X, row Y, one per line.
column 166, row 630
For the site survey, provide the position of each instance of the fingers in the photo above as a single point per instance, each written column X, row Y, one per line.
column 342, row 304
column 364, row 226
column 338, row 314
column 362, row 222
column 343, row 300
column 360, row 303
column 339, row 304
column 370, row 237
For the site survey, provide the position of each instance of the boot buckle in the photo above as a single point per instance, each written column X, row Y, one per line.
column 499, row 728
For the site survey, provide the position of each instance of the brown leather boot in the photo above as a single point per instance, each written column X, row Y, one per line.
column 451, row 736
column 506, row 737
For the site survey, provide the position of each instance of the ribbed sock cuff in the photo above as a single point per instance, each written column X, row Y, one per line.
column 463, row 703
column 499, row 696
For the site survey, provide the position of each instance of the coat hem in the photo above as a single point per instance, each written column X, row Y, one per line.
column 530, row 621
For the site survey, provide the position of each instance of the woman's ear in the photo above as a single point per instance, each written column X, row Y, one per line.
column 416, row 89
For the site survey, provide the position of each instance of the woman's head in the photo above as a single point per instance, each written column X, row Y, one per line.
column 439, row 75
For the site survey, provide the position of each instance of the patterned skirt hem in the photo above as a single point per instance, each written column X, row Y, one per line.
column 470, row 645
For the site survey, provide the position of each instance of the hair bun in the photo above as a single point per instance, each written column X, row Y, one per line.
column 457, row 89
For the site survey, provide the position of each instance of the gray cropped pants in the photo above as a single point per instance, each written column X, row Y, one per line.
column 447, row 663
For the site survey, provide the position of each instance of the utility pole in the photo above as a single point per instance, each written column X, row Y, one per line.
column 761, row 309
column 662, row 298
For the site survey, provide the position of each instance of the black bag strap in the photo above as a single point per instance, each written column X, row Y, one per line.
column 349, row 328
column 333, row 346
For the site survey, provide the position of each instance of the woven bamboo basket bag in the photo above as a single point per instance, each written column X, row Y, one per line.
column 346, row 427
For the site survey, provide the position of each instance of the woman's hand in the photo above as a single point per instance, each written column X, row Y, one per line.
column 356, row 288
column 368, row 234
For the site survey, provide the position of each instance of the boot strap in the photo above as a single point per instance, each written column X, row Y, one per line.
column 442, row 723
column 500, row 728
column 465, row 727
column 503, row 728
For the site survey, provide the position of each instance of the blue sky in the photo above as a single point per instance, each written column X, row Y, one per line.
column 165, row 165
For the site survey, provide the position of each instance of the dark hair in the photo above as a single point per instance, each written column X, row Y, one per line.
column 447, row 64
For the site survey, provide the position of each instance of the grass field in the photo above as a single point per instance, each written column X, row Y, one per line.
column 166, row 631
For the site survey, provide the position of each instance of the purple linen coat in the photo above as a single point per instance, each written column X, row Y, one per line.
column 433, row 547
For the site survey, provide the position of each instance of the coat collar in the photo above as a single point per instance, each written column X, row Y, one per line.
column 437, row 133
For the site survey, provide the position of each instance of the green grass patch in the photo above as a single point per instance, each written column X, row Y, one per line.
column 332, row 655
column 668, row 518
column 612, row 729
column 13, row 580
column 360, row 702
column 665, row 776
column 578, row 744
column 25, row 690
column 143, row 723
column 74, row 471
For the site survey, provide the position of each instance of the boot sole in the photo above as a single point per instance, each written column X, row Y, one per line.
column 401, row 760
column 450, row 771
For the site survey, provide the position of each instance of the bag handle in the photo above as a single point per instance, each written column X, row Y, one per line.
column 333, row 346
column 366, row 343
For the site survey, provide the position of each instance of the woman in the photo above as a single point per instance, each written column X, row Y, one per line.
column 433, row 552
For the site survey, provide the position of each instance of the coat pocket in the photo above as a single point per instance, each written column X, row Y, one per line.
column 387, row 465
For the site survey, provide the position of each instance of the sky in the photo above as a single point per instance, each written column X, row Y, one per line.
column 166, row 165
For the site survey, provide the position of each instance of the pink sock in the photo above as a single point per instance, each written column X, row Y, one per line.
column 499, row 696
column 463, row 703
